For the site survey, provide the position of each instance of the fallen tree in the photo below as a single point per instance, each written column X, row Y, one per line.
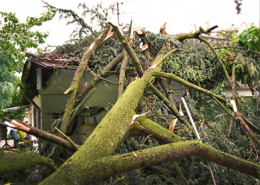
column 108, row 166
column 94, row 159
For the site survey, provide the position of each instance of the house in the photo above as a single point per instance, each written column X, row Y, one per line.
column 239, row 28
column 246, row 92
column 49, row 76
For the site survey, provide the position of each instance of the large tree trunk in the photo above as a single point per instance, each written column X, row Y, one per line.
column 85, row 173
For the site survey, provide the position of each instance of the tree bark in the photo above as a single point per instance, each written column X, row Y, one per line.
column 13, row 162
column 189, row 85
column 46, row 136
column 122, row 75
column 86, row 173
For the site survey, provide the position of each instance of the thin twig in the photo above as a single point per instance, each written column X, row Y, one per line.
column 68, row 138
column 93, row 74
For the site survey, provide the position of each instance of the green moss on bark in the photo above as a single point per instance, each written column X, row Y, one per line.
column 159, row 133
column 13, row 162
column 86, row 173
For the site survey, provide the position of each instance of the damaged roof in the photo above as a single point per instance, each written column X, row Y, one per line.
column 49, row 62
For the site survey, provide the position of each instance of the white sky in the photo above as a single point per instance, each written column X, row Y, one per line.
column 180, row 15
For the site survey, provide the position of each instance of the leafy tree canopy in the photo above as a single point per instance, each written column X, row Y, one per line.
column 15, row 39
column 250, row 38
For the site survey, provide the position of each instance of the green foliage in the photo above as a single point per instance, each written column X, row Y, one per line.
column 241, row 54
column 250, row 38
column 6, row 88
column 6, row 80
column 194, row 63
column 15, row 39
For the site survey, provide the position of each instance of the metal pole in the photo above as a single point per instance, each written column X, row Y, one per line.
column 191, row 120
column 198, row 136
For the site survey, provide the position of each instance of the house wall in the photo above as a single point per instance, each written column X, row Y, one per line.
column 251, row 102
column 53, row 106
column 53, row 102
column 240, row 92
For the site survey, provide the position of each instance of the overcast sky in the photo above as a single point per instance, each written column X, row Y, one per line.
column 180, row 15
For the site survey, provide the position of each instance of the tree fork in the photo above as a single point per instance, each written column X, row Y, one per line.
column 160, row 57
column 183, row 37
column 72, row 90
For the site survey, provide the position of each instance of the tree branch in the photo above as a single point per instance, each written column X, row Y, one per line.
column 108, row 166
column 188, row 84
column 68, row 138
column 74, row 15
column 194, row 35
column 96, row 79
column 157, row 62
column 147, row 127
column 161, row 96
column 241, row 122
column 168, row 92
column 47, row 136
column 123, row 39
column 122, row 75
column 13, row 162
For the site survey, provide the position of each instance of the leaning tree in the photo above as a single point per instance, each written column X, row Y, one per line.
column 145, row 129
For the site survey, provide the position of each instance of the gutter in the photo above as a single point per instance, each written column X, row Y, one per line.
column 12, row 109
